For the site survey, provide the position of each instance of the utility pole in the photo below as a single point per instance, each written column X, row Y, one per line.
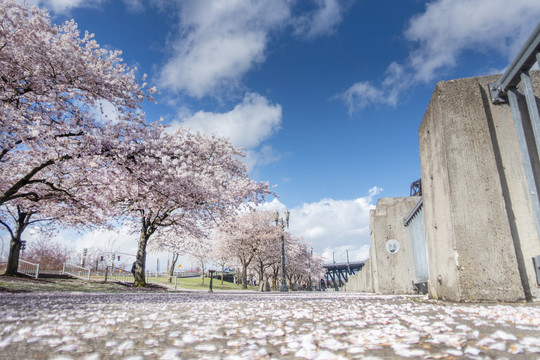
column 348, row 265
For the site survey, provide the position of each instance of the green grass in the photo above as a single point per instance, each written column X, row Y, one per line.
column 196, row 284
column 23, row 284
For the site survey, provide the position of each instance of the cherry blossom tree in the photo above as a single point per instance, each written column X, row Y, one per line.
column 177, row 241
column 317, row 269
column 55, row 137
column 15, row 220
column 248, row 235
column 184, row 180
column 297, row 265
column 53, row 209
column 299, row 259
column 53, row 85
column 202, row 254
column 268, row 254
column 221, row 255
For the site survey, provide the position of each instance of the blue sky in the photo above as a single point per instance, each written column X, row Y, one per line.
column 326, row 96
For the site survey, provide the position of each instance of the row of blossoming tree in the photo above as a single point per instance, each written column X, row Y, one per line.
column 251, row 243
column 76, row 149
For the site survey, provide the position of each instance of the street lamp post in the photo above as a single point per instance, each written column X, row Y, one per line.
column 280, row 222
column 310, row 288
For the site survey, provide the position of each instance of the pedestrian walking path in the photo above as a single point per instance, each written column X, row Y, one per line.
column 232, row 325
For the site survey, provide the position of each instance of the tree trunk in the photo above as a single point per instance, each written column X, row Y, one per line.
column 15, row 244
column 244, row 276
column 202, row 272
column 13, row 258
column 275, row 277
column 140, row 260
column 289, row 277
column 261, row 276
column 170, row 270
column 222, row 271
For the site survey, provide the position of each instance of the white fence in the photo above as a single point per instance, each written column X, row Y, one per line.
column 76, row 271
column 28, row 268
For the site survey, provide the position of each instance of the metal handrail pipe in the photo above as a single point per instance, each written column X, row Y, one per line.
column 524, row 60
column 407, row 219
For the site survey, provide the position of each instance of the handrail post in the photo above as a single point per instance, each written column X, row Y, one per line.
column 37, row 271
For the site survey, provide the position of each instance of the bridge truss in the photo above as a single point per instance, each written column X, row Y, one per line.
column 337, row 274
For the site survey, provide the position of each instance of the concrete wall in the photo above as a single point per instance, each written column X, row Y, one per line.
column 480, row 231
column 393, row 273
column 361, row 281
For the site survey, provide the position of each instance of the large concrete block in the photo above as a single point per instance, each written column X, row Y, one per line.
column 479, row 225
column 391, row 251
column 361, row 281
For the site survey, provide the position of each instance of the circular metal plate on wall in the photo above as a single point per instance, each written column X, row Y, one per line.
column 392, row 246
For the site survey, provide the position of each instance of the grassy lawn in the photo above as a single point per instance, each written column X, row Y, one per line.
column 196, row 284
column 23, row 284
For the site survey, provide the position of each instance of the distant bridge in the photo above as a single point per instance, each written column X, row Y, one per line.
column 338, row 273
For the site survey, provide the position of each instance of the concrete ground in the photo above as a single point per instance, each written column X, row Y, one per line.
column 236, row 325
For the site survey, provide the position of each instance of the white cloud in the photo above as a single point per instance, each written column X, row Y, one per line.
column 118, row 240
column 354, row 252
column 321, row 21
column 220, row 41
column 446, row 30
column 362, row 94
column 247, row 125
column 333, row 225
column 260, row 157
column 449, row 27
column 134, row 5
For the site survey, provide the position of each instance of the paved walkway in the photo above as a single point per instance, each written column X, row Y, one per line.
column 261, row 326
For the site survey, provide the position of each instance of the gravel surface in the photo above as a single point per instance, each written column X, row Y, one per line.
column 236, row 325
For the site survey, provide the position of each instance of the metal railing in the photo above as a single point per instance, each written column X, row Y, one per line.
column 125, row 276
column 28, row 268
column 186, row 274
column 112, row 273
column 76, row 271
column 507, row 89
